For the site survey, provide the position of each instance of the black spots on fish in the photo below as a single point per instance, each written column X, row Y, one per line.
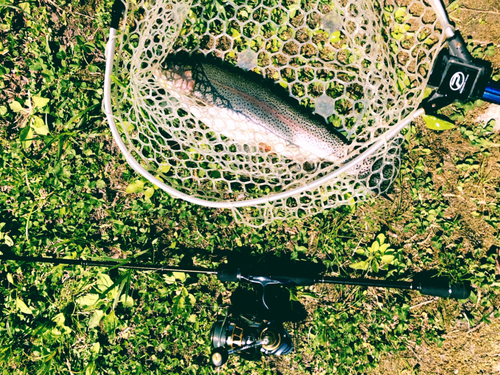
column 262, row 102
column 204, row 89
column 251, row 96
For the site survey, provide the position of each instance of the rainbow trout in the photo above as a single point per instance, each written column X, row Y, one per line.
column 247, row 111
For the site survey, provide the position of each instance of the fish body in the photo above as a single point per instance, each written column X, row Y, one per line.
column 245, row 110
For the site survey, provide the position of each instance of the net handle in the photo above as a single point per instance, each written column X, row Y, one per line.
column 442, row 15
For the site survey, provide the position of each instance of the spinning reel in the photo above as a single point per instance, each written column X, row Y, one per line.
column 246, row 336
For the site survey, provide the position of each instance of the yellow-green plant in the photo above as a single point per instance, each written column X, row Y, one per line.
column 377, row 255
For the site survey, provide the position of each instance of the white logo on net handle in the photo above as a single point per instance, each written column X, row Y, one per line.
column 458, row 81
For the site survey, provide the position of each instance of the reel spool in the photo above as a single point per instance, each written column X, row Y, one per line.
column 249, row 338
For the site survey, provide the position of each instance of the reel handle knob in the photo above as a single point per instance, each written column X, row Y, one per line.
column 219, row 356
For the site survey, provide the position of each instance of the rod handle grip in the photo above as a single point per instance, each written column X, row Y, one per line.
column 441, row 287
column 229, row 275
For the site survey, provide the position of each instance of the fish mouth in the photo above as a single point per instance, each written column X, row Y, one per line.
column 175, row 78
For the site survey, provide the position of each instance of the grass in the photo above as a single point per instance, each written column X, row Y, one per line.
column 63, row 192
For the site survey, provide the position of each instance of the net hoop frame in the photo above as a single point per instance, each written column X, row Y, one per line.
column 380, row 141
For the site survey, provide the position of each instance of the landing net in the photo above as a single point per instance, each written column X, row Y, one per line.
column 356, row 69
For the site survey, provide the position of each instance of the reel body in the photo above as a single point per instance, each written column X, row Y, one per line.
column 248, row 337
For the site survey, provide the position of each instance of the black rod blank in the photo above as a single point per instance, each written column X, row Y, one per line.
column 439, row 287
column 107, row 264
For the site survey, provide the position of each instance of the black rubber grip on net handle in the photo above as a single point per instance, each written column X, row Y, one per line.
column 441, row 287
column 117, row 13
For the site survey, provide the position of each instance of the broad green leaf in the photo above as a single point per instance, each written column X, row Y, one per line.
column 400, row 12
column 23, row 307
column 127, row 301
column 181, row 276
column 192, row 318
column 381, row 238
column 88, row 299
column 96, row 348
column 384, row 247
column 179, row 304
column 59, row 319
column 164, row 168
column 363, row 265
column 8, row 240
column 427, row 92
column 40, row 102
column 375, row 266
column 95, row 319
column 10, row 279
column 235, row 33
column 135, row 187
column 169, row 279
column 104, row 283
column 335, row 38
column 387, row 259
column 117, row 290
column 360, row 251
column 56, row 331
column 90, row 369
column 435, row 123
column 149, row 192
column 15, row 106
column 26, row 137
column 25, row 6
column 3, row 110
column 39, row 126
column 89, row 46
column 110, row 322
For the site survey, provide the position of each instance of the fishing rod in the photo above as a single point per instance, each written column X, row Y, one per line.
column 253, row 335
column 438, row 287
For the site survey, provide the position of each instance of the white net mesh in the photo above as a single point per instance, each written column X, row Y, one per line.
column 214, row 131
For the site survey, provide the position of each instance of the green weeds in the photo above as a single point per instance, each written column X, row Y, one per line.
column 378, row 255
column 66, row 191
